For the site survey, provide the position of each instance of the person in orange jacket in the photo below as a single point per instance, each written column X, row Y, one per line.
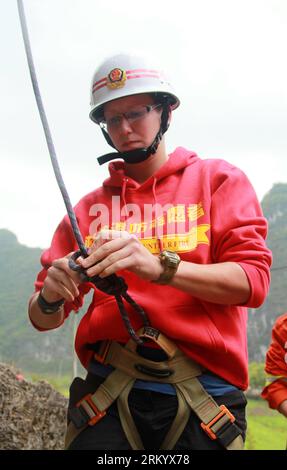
column 275, row 391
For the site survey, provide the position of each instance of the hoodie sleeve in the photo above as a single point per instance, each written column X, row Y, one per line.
column 63, row 242
column 239, row 230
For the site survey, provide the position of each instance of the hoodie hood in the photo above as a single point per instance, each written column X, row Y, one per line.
column 177, row 160
column 166, row 178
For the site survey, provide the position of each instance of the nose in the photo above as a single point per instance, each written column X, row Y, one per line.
column 125, row 126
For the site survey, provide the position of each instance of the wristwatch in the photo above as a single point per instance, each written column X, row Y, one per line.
column 49, row 307
column 170, row 261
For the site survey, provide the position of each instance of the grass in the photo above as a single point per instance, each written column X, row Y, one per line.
column 267, row 429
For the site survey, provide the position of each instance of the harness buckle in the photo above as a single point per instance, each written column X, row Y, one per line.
column 91, row 409
column 150, row 333
column 102, row 353
column 207, row 427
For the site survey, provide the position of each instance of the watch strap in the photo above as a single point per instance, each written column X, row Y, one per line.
column 48, row 308
column 170, row 261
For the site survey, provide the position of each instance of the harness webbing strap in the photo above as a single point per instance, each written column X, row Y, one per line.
column 105, row 395
column 216, row 420
column 179, row 423
column 179, row 368
column 127, row 421
column 111, row 388
column 150, row 333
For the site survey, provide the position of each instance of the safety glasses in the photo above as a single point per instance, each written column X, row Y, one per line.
column 135, row 114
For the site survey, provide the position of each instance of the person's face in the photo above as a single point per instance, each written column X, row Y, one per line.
column 131, row 123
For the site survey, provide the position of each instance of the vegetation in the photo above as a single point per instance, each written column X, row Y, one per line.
column 267, row 429
column 260, row 321
column 20, row 344
column 257, row 375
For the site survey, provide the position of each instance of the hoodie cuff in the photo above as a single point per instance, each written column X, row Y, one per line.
column 259, row 285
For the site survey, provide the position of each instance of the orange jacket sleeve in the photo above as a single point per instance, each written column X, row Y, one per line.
column 276, row 364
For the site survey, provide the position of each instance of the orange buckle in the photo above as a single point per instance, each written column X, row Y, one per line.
column 97, row 413
column 207, row 427
column 101, row 355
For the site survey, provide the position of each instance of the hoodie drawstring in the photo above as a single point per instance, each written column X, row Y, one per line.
column 123, row 196
column 159, row 239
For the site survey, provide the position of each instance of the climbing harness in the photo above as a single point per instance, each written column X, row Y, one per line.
column 113, row 284
column 178, row 369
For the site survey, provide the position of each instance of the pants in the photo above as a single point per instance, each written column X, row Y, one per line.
column 153, row 414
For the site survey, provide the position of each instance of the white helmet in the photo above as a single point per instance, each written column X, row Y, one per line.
column 124, row 75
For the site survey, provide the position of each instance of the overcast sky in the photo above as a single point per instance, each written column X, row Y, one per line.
column 226, row 58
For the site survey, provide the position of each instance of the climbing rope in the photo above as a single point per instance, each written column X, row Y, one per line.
column 113, row 284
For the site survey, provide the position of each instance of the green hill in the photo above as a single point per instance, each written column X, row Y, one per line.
column 260, row 323
column 20, row 343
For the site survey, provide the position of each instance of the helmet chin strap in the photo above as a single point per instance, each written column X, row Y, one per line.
column 141, row 154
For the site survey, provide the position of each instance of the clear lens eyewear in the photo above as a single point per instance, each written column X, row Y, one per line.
column 135, row 114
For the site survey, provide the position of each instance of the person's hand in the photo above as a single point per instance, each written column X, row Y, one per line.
column 61, row 282
column 283, row 408
column 114, row 250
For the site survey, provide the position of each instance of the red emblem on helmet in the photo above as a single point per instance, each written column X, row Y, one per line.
column 116, row 78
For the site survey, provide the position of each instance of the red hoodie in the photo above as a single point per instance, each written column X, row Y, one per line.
column 213, row 216
column 276, row 364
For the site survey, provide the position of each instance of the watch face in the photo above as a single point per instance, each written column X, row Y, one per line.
column 171, row 258
column 172, row 262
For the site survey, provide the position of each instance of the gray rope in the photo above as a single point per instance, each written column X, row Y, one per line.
column 113, row 284
column 47, row 132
